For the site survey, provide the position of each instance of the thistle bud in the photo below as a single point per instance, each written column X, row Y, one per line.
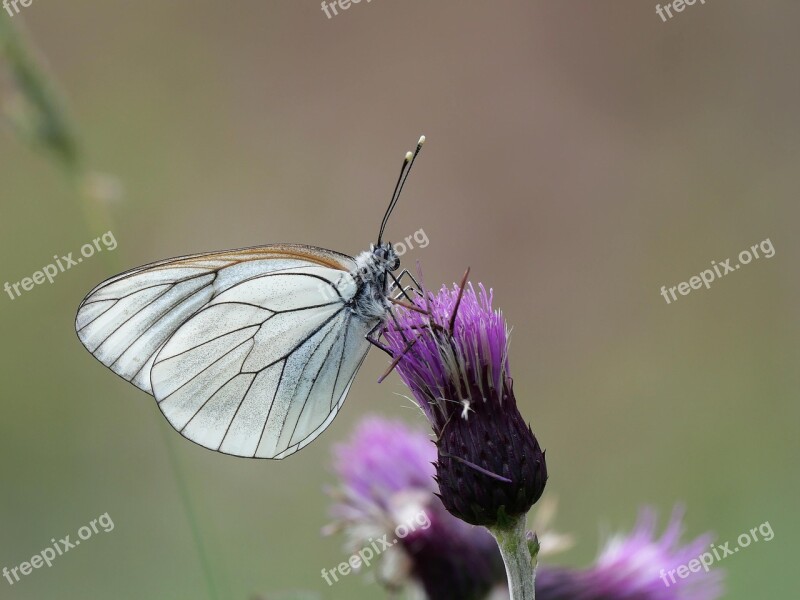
column 452, row 352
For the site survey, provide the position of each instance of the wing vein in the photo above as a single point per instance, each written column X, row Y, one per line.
column 214, row 339
column 211, row 397
column 154, row 323
column 136, row 291
column 201, row 371
column 311, row 387
column 293, row 350
column 266, row 420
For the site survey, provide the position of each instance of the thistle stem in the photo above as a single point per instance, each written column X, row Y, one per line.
column 520, row 567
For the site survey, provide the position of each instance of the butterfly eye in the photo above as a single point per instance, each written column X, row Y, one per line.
column 390, row 258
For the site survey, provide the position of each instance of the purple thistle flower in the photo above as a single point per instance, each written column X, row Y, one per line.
column 452, row 352
column 385, row 475
column 635, row 567
column 382, row 459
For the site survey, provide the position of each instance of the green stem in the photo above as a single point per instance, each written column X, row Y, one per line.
column 186, row 498
column 520, row 567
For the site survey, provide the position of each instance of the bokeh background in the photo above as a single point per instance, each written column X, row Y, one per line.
column 580, row 155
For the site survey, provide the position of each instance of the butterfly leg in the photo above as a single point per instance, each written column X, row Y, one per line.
column 397, row 285
column 409, row 343
column 374, row 339
column 403, row 290
column 396, row 359
column 410, row 305
column 406, row 272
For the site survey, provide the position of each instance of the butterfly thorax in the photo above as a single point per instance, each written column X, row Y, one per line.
column 372, row 282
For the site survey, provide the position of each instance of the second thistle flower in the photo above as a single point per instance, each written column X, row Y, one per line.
column 453, row 354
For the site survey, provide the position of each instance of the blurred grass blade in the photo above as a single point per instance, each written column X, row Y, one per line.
column 33, row 106
column 37, row 113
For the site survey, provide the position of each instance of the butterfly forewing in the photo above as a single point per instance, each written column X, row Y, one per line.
column 248, row 352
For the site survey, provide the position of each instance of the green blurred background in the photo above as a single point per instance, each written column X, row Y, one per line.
column 580, row 155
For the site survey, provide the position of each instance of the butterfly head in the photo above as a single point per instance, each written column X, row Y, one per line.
column 385, row 255
column 373, row 265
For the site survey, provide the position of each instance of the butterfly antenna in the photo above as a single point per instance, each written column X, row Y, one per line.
column 408, row 162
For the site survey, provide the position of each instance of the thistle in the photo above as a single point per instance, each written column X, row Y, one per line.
column 386, row 478
column 451, row 350
column 385, row 474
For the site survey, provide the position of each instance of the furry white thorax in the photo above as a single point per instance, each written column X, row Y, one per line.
column 369, row 302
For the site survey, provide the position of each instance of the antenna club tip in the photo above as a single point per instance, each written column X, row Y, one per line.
column 421, row 140
column 409, row 156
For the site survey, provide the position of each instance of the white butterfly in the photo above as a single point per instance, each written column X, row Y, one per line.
column 248, row 352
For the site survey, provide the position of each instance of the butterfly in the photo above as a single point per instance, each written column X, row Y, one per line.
column 248, row 352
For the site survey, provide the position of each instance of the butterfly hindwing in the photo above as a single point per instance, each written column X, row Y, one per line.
column 263, row 366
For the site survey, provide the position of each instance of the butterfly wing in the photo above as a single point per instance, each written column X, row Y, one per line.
column 249, row 352
column 264, row 368
column 125, row 320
